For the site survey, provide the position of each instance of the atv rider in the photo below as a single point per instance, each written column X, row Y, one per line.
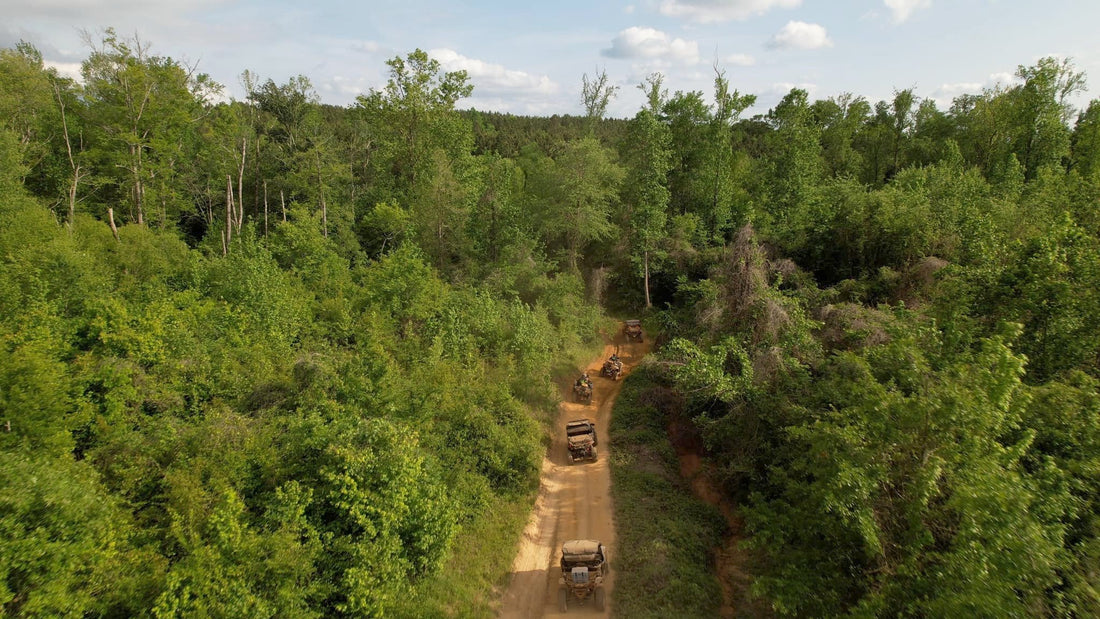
column 584, row 380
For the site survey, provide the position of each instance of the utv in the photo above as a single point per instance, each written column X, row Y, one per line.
column 633, row 330
column 581, row 436
column 583, row 569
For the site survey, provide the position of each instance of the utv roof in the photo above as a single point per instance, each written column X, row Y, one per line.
column 578, row 422
column 633, row 323
column 582, row 547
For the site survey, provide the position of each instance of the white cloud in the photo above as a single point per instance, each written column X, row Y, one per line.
column 800, row 35
column 950, row 91
column 709, row 11
column 648, row 43
column 902, row 9
column 945, row 94
column 740, row 60
column 629, row 9
column 349, row 87
column 65, row 69
column 781, row 89
column 494, row 78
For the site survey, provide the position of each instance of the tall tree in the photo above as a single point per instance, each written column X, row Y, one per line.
column 145, row 109
column 576, row 193
column 412, row 117
column 1044, row 111
column 796, row 155
column 1086, row 141
column 596, row 94
column 840, row 119
column 649, row 158
column 727, row 111
column 440, row 206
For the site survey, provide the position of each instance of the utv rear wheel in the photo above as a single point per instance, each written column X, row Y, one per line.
column 563, row 600
column 599, row 596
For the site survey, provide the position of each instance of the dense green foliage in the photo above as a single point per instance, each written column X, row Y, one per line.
column 289, row 394
column 890, row 437
column 275, row 358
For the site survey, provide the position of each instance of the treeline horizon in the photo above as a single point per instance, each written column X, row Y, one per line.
column 272, row 357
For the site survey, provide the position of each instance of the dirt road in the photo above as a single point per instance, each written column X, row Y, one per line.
column 574, row 501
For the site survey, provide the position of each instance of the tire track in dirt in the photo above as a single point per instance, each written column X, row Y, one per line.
column 574, row 500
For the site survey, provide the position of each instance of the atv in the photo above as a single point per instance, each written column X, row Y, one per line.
column 612, row 368
column 582, row 391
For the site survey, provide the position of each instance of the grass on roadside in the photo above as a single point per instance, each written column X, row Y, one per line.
column 666, row 536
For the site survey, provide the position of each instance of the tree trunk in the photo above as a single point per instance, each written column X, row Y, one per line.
column 139, row 189
column 265, row 207
column 282, row 202
column 228, row 237
column 72, row 195
column 111, row 222
column 240, row 184
column 324, row 213
column 72, row 162
column 648, row 304
column 321, row 191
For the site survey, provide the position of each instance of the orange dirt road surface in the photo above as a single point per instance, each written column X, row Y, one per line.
column 574, row 501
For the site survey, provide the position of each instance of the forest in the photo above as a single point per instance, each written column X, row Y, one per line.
column 272, row 357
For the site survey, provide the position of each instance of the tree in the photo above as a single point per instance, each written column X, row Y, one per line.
column 646, row 196
column 144, row 109
column 795, row 161
column 727, row 111
column 902, row 109
column 688, row 115
column 28, row 108
column 412, row 117
column 1043, row 108
column 596, row 94
column 840, row 119
column 1086, row 142
column 440, row 206
column 580, row 187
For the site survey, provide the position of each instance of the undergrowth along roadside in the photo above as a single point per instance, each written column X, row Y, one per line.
column 480, row 562
column 666, row 536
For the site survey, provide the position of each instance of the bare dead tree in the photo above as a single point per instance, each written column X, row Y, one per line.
column 78, row 172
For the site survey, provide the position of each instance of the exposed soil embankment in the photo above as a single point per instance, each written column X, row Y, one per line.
column 731, row 561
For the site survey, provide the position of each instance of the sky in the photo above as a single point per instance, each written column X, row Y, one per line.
column 530, row 57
